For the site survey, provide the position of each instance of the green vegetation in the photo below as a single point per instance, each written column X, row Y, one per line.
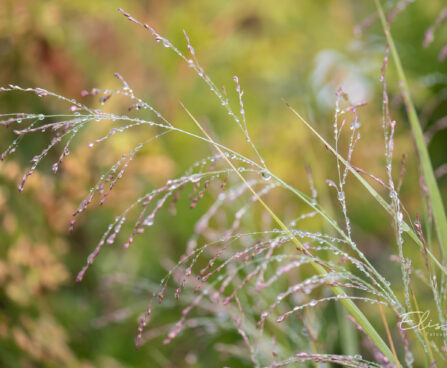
column 212, row 224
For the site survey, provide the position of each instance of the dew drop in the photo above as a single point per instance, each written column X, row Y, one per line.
column 265, row 175
column 355, row 126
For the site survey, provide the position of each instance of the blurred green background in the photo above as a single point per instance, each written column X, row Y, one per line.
column 301, row 51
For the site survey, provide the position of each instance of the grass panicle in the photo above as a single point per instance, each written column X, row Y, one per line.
column 262, row 283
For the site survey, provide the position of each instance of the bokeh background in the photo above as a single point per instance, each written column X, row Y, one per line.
column 301, row 51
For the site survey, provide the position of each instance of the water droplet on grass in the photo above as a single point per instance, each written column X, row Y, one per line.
column 265, row 175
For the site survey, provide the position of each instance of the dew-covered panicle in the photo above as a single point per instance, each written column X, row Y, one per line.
column 247, row 257
column 354, row 137
column 193, row 63
column 61, row 130
column 54, row 141
column 256, row 282
column 388, row 126
column 195, row 176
